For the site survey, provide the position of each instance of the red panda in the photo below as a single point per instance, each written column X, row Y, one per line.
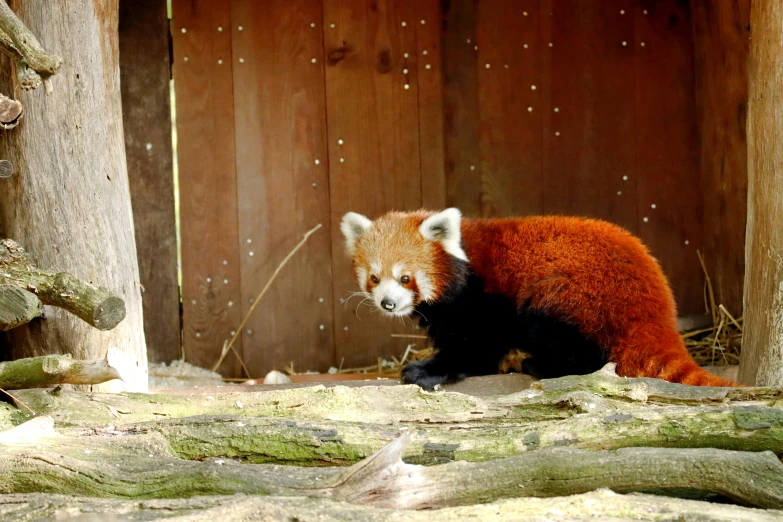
column 574, row 293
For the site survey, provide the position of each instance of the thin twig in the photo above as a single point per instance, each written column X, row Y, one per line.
column 731, row 317
column 17, row 399
column 410, row 336
column 708, row 283
column 261, row 294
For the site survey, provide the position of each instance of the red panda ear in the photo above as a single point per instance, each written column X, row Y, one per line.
column 444, row 227
column 353, row 226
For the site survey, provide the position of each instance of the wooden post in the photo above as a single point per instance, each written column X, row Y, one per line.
column 68, row 201
column 762, row 347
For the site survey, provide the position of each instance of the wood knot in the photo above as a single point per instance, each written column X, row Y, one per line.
column 384, row 61
column 338, row 55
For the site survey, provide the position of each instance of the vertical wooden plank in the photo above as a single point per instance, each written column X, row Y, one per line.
column 761, row 362
column 509, row 107
column 460, row 107
column 545, row 48
column 207, row 180
column 373, row 144
column 591, row 130
column 146, row 116
column 721, row 38
column 432, row 154
column 280, row 115
column 666, row 148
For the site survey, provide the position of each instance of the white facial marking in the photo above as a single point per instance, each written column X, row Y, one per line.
column 375, row 268
column 399, row 300
column 397, row 271
column 361, row 277
column 353, row 226
column 426, row 288
column 444, row 227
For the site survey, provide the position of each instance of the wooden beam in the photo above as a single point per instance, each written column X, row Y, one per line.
column 762, row 347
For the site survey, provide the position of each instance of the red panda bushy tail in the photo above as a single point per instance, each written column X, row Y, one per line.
column 663, row 356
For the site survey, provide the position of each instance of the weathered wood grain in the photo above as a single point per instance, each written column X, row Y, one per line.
column 206, row 157
column 283, row 182
column 17, row 307
column 373, row 131
column 761, row 361
column 69, row 202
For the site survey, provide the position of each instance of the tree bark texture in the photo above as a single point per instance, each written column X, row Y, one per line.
column 762, row 344
column 68, row 201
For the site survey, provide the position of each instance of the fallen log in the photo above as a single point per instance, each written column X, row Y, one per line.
column 94, row 305
column 601, row 505
column 36, row 459
column 49, row 370
column 602, row 392
column 308, row 442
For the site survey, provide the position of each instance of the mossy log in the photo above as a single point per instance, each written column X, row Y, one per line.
column 563, row 436
column 601, row 505
column 341, row 425
column 36, row 459
column 602, row 392
column 49, row 370
column 96, row 306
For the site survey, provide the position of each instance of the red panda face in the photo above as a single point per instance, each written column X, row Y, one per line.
column 402, row 259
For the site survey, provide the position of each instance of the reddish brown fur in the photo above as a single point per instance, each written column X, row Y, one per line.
column 395, row 236
column 589, row 272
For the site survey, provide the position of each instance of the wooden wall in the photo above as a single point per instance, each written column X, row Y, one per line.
column 291, row 113
column 145, row 72
column 721, row 39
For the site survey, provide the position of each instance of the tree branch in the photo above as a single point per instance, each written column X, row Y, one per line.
column 96, row 306
column 33, row 62
column 48, row 370
column 17, row 307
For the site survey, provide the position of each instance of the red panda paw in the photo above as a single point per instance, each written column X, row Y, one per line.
column 428, row 374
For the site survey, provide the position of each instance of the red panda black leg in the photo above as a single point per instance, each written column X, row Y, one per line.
column 430, row 373
column 450, row 364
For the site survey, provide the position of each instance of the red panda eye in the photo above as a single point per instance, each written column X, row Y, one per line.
column 405, row 280
column 375, row 279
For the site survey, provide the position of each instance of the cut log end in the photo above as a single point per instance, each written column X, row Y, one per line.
column 17, row 307
column 109, row 313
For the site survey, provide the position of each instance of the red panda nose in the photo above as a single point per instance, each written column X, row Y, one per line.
column 388, row 304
